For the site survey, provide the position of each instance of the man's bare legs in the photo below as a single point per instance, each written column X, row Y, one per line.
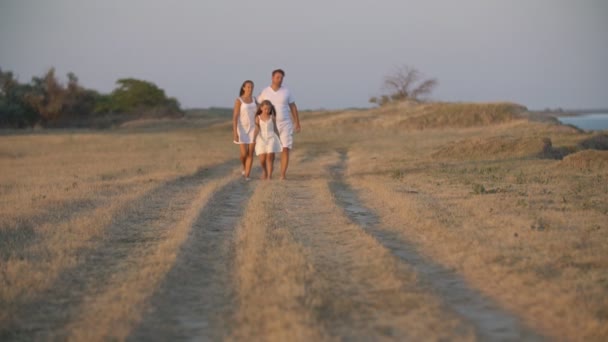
column 284, row 161
column 264, row 166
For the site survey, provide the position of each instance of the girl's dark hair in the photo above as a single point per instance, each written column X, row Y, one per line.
column 266, row 102
column 241, row 92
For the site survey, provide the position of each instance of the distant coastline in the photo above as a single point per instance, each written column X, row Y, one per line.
column 569, row 112
column 585, row 119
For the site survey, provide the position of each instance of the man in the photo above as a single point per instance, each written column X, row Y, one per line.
column 288, row 120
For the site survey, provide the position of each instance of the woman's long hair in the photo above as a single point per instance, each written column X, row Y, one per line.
column 266, row 102
column 242, row 91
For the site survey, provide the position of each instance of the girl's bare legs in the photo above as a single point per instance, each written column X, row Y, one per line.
column 244, row 150
column 263, row 164
column 270, row 164
column 249, row 159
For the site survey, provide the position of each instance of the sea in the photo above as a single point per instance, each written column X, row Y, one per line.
column 588, row 122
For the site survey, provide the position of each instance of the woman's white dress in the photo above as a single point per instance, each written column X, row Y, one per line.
column 246, row 122
column 267, row 140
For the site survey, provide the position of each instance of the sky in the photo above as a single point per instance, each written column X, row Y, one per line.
column 335, row 53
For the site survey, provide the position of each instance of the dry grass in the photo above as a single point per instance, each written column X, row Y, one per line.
column 125, row 295
column 517, row 208
column 60, row 192
column 528, row 231
column 273, row 277
column 305, row 272
column 591, row 160
column 424, row 116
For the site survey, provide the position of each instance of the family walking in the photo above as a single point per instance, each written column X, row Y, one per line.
column 265, row 125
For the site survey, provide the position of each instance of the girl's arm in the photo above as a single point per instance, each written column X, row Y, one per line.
column 235, row 119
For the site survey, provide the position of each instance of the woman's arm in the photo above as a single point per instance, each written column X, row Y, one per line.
column 236, row 112
column 256, row 131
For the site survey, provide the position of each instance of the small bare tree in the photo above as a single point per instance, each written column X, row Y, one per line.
column 48, row 96
column 405, row 83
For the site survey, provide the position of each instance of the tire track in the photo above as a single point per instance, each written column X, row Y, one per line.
column 140, row 226
column 275, row 283
column 22, row 232
column 304, row 272
column 490, row 321
column 360, row 290
column 196, row 300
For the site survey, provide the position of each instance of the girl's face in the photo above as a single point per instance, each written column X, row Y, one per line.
column 265, row 108
column 247, row 89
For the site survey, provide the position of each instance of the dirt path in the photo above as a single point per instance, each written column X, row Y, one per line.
column 196, row 297
column 305, row 272
column 210, row 256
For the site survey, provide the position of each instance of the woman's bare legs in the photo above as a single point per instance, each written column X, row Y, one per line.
column 244, row 149
column 249, row 159
column 264, row 167
column 270, row 164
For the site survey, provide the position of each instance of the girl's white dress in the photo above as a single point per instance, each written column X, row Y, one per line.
column 267, row 140
column 246, row 124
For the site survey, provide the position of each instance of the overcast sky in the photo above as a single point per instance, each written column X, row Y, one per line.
column 336, row 53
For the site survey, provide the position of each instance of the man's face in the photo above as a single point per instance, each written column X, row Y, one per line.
column 277, row 79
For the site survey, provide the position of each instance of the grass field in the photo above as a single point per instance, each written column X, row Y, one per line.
column 438, row 221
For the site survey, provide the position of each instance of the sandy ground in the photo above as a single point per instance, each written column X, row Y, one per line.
column 394, row 224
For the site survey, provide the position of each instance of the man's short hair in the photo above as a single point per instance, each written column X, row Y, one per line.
column 279, row 71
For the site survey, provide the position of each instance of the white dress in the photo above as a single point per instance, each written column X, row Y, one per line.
column 280, row 100
column 267, row 140
column 246, row 122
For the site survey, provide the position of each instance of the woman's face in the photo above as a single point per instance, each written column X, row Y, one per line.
column 247, row 89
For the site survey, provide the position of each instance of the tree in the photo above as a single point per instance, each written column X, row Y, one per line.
column 137, row 96
column 405, row 83
column 47, row 96
column 47, row 101
column 14, row 110
column 79, row 101
column 132, row 94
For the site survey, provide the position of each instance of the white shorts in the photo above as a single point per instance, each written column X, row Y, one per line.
column 285, row 134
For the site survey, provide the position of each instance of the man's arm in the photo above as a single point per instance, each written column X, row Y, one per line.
column 296, row 117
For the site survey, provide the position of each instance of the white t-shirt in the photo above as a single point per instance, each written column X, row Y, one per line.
column 280, row 100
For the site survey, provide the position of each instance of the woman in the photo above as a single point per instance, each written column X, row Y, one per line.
column 243, row 125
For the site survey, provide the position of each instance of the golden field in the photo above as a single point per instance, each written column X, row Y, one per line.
column 435, row 221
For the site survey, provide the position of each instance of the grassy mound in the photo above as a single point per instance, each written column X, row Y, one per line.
column 418, row 116
column 586, row 160
column 596, row 142
column 439, row 115
column 491, row 148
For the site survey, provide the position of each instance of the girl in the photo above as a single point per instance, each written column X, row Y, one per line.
column 243, row 126
column 267, row 141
